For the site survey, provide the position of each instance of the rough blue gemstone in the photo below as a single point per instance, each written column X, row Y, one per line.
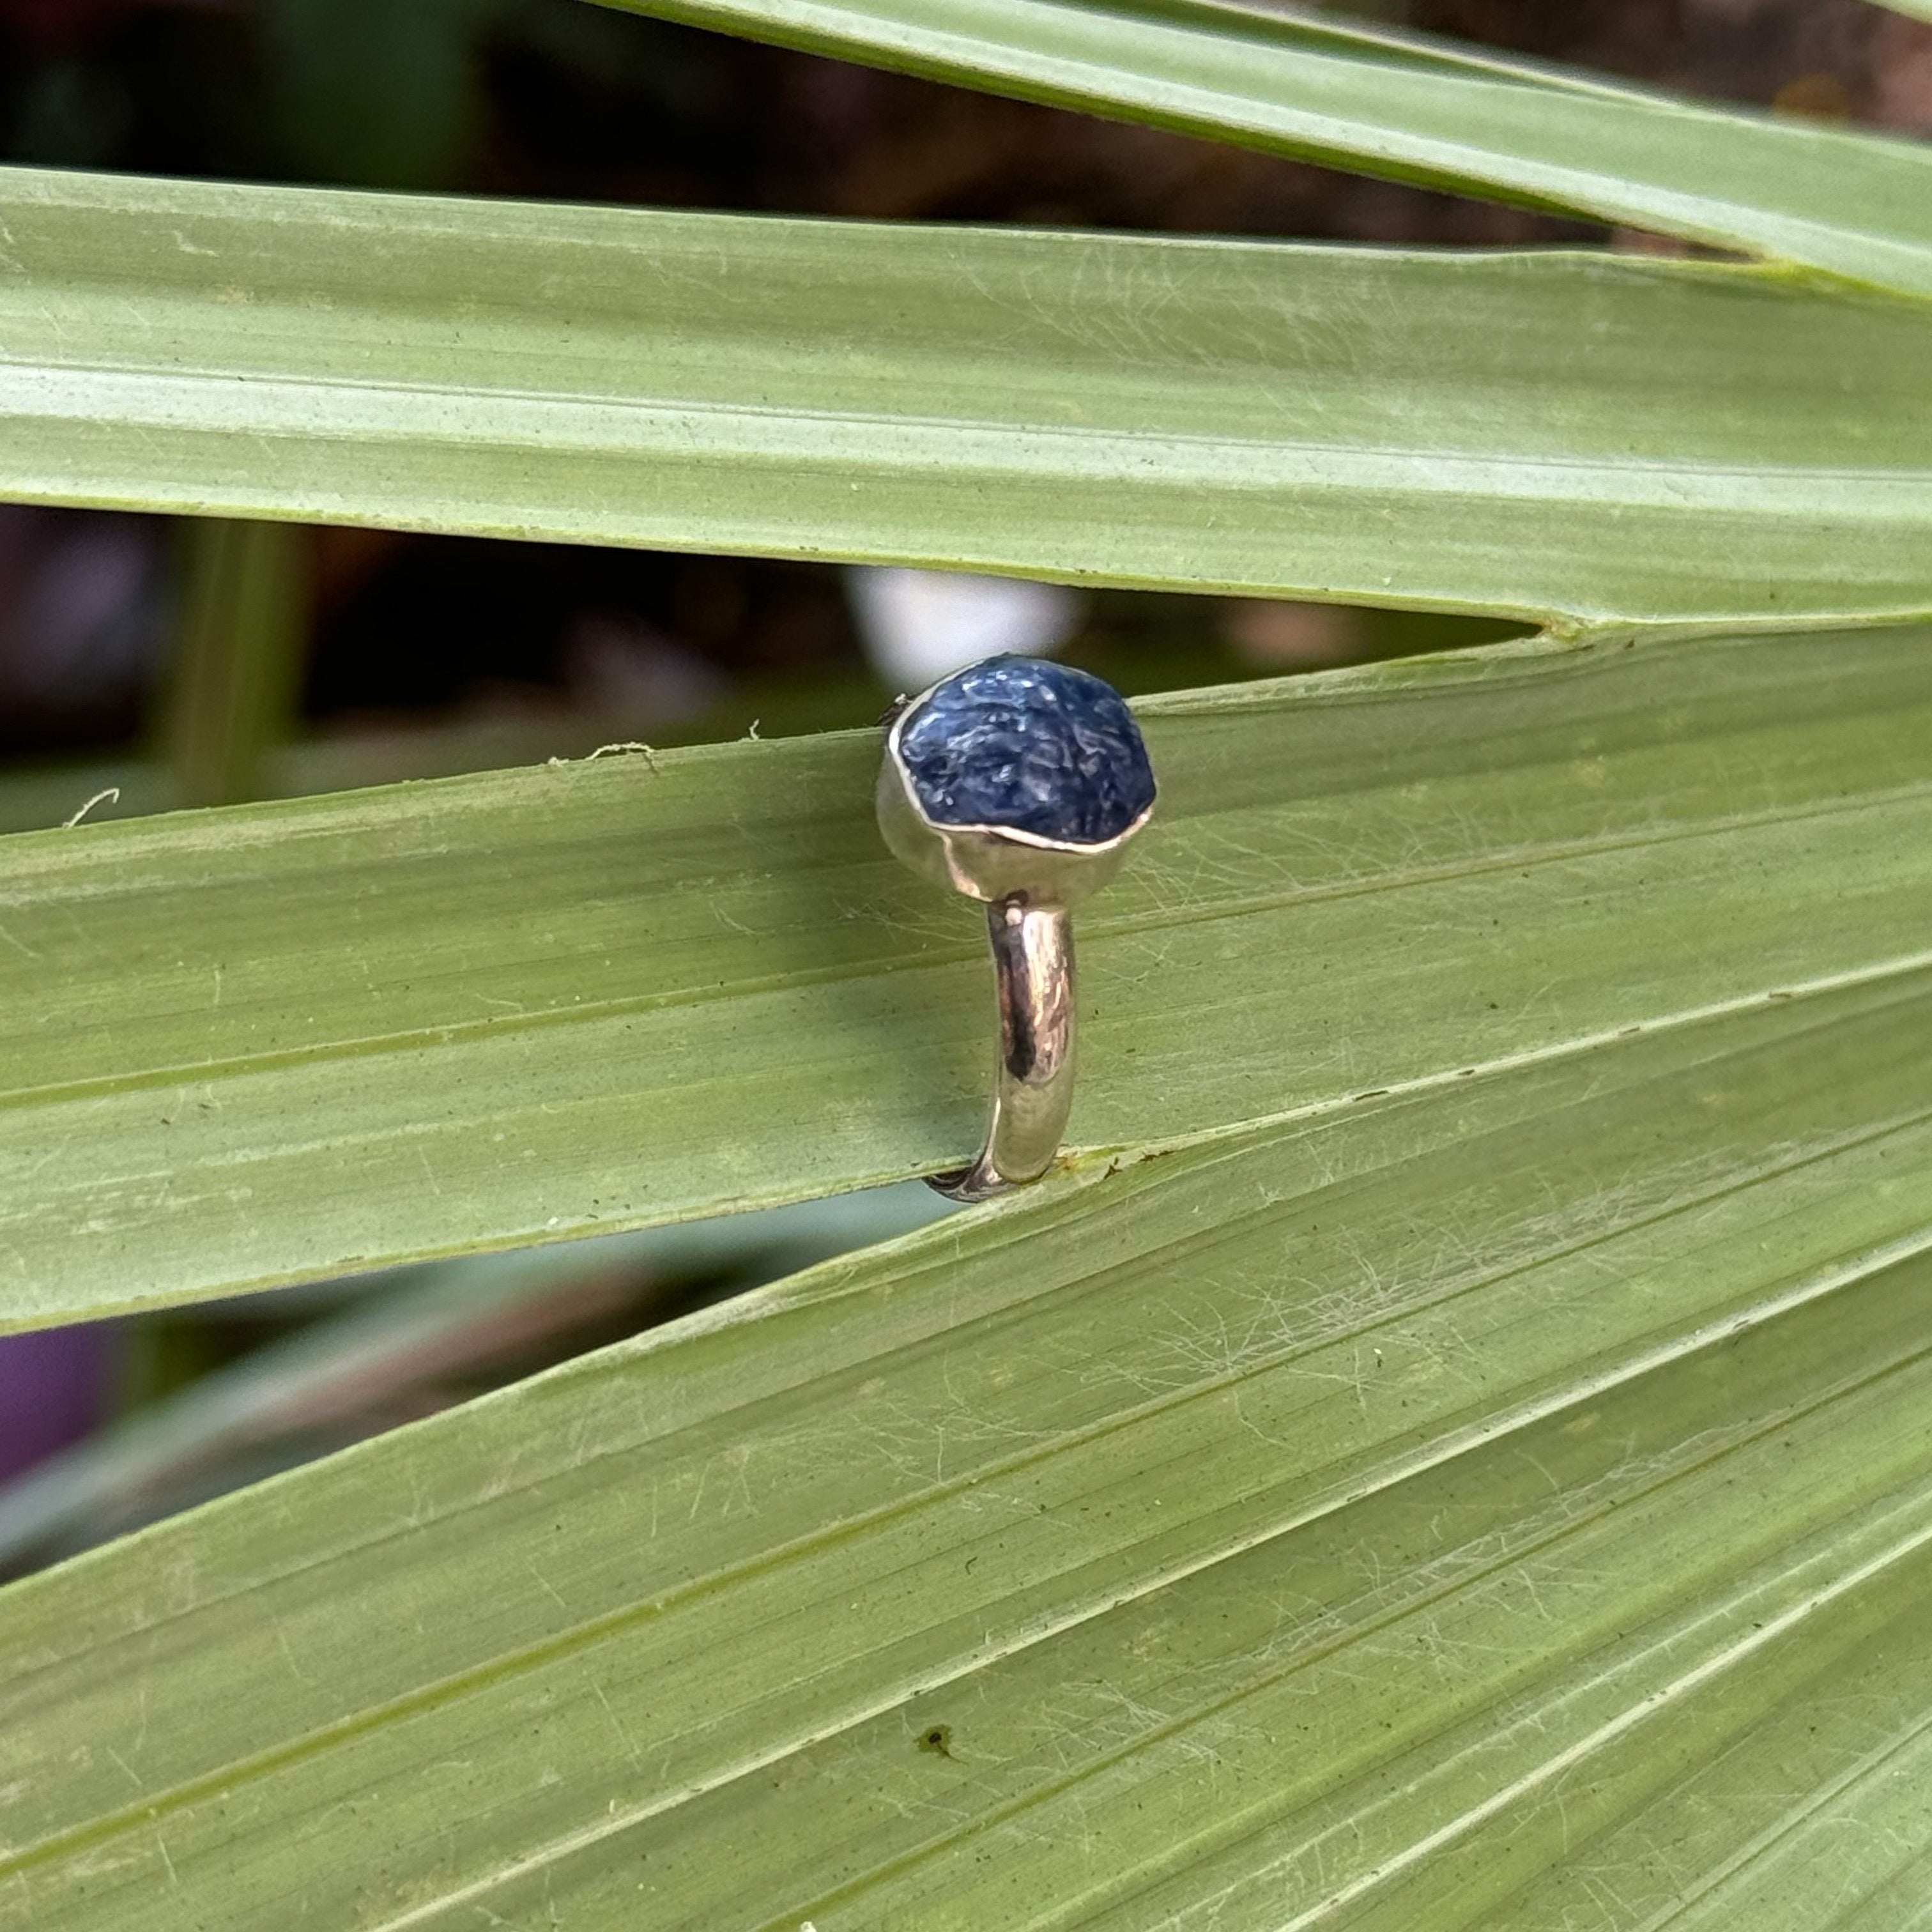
column 1028, row 746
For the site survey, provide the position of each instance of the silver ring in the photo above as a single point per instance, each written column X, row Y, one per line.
column 1018, row 783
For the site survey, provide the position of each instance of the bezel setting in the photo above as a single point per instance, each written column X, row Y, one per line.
column 983, row 861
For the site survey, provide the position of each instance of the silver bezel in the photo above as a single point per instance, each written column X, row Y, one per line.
column 988, row 862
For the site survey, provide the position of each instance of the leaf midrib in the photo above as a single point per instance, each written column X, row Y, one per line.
column 1455, row 469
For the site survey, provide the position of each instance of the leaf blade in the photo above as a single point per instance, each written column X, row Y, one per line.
column 1574, row 437
column 1398, row 104
column 286, row 1041
column 1299, row 1517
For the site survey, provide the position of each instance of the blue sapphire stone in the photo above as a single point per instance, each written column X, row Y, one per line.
column 1028, row 746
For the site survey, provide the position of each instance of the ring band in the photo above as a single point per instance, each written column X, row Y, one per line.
column 1033, row 1080
column 1018, row 783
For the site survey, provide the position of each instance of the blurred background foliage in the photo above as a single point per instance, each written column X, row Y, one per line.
column 126, row 684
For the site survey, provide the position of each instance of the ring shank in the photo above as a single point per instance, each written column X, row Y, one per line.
column 1032, row 1082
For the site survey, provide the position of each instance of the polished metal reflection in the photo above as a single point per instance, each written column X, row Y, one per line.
column 1029, row 885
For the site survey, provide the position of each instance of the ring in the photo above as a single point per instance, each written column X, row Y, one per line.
column 1018, row 782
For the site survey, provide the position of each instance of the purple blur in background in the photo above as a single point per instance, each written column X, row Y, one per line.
column 53, row 1390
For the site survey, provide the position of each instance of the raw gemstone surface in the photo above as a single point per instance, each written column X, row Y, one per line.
column 1028, row 746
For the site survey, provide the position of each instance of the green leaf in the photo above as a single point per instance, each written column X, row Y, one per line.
column 244, row 634
column 1498, row 1507
column 252, row 1045
column 1919, row 9
column 406, row 1333
column 1585, row 438
column 1857, row 204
